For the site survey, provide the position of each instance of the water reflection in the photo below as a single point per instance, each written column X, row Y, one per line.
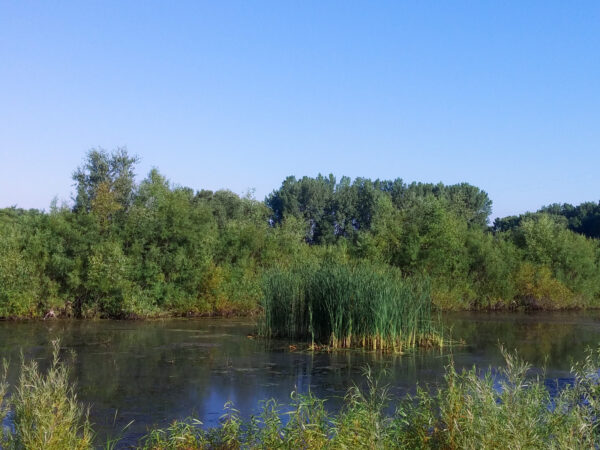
column 155, row 371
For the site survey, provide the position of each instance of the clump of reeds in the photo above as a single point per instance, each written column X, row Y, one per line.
column 46, row 413
column 348, row 306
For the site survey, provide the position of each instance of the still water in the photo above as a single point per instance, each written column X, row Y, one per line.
column 152, row 372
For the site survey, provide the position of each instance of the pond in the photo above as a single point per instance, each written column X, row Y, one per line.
column 153, row 372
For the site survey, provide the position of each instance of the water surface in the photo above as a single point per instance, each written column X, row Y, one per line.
column 152, row 372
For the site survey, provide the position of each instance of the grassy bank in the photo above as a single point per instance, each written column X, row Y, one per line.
column 344, row 306
column 470, row 409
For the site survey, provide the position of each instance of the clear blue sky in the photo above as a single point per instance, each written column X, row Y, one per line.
column 238, row 95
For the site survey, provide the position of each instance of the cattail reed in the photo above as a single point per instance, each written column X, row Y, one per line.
column 345, row 306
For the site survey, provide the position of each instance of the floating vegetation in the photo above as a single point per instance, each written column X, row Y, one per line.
column 344, row 306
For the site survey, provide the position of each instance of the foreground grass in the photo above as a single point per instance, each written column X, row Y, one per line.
column 469, row 410
column 46, row 413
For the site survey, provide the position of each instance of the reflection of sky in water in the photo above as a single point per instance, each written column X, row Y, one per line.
column 155, row 371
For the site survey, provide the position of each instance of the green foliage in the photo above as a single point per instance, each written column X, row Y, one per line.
column 538, row 289
column 570, row 259
column 19, row 284
column 347, row 306
column 362, row 422
column 127, row 249
column 4, row 406
column 46, row 412
column 105, row 182
column 583, row 219
column 333, row 210
column 493, row 261
column 507, row 410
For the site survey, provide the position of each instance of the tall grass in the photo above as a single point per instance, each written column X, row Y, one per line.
column 4, row 407
column 308, row 427
column 348, row 306
column 506, row 410
column 46, row 413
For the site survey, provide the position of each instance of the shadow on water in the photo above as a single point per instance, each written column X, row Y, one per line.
column 155, row 371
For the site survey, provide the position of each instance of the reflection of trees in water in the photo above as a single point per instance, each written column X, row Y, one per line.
column 544, row 339
column 147, row 371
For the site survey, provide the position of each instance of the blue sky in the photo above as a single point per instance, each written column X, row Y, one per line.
column 238, row 95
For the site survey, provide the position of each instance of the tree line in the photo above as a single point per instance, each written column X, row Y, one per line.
column 127, row 249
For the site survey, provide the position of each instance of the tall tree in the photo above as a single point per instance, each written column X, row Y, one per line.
column 102, row 173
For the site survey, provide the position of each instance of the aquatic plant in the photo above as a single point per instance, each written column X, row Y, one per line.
column 344, row 306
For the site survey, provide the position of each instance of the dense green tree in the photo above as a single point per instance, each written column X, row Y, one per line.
column 19, row 284
column 583, row 218
column 105, row 173
column 571, row 258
